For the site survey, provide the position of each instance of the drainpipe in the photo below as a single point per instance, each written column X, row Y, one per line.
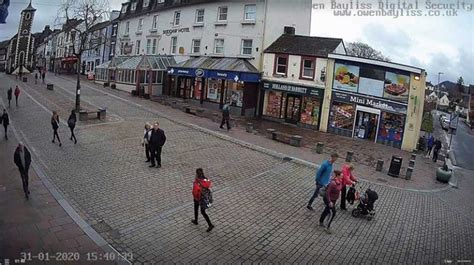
column 260, row 63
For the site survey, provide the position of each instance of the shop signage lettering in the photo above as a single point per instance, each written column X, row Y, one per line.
column 371, row 102
column 168, row 32
column 309, row 91
column 183, row 71
column 221, row 74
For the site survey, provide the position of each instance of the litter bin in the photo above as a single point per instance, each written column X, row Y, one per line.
column 395, row 166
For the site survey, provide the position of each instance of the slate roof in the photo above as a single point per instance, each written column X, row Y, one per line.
column 304, row 45
column 223, row 64
column 155, row 6
column 100, row 25
column 4, row 44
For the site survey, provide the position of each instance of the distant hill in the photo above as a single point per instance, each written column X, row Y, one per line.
column 452, row 88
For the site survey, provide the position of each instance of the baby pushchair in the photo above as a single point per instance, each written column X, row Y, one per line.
column 366, row 205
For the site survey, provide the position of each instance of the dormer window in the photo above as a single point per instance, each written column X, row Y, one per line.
column 124, row 8
column 146, row 3
column 134, row 6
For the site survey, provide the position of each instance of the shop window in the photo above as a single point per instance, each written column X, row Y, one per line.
column 234, row 93
column 274, row 103
column 281, row 64
column 199, row 16
column 342, row 115
column 214, row 90
column 310, row 111
column 222, row 13
column 391, row 129
column 250, row 12
column 307, row 68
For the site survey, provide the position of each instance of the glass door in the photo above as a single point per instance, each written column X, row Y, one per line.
column 293, row 108
column 366, row 125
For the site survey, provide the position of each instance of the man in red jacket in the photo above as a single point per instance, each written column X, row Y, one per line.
column 200, row 183
column 332, row 194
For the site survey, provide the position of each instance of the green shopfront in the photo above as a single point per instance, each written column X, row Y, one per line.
column 292, row 103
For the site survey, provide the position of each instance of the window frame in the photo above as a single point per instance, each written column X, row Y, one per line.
column 127, row 28
column 219, row 13
column 147, row 3
column 197, row 16
column 275, row 65
column 254, row 12
column 177, row 17
column 173, row 45
column 154, row 44
column 302, row 67
column 193, row 46
column 133, row 7
column 148, row 46
column 215, row 46
column 242, row 47
column 137, row 47
column 140, row 25
column 154, row 23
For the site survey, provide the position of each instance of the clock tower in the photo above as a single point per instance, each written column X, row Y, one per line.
column 23, row 60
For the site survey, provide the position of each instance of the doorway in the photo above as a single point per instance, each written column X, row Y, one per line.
column 366, row 123
column 293, row 108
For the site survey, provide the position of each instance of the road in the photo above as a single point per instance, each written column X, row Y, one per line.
column 259, row 199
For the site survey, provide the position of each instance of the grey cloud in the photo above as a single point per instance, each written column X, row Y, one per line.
column 391, row 43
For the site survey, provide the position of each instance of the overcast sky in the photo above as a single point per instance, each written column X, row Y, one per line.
column 435, row 43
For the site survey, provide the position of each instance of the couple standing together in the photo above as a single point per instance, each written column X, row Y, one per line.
column 333, row 188
column 153, row 139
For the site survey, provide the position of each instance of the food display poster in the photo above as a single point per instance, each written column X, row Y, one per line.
column 346, row 77
column 396, row 86
column 371, row 81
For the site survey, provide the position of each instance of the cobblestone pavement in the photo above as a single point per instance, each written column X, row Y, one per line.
column 259, row 197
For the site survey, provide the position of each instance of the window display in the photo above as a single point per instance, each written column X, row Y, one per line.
column 342, row 115
column 391, row 128
column 234, row 93
column 274, row 103
column 310, row 111
column 214, row 90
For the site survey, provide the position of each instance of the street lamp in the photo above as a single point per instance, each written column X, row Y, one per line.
column 437, row 90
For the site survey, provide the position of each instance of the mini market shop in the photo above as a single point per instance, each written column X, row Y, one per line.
column 292, row 103
column 374, row 100
column 212, row 82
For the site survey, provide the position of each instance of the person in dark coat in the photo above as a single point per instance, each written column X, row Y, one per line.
column 9, row 96
column 17, row 94
column 5, row 120
column 55, row 125
column 157, row 140
column 22, row 159
column 43, row 75
column 146, row 141
column 437, row 147
column 200, row 183
column 36, row 78
column 225, row 116
column 71, row 123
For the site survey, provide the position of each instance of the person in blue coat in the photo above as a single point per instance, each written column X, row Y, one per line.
column 323, row 177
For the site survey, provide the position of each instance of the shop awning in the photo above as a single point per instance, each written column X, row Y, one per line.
column 236, row 69
column 131, row 63
column 118, row 60
column 156, row 62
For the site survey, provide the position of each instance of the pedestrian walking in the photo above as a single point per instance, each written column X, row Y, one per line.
column 437, row 147
column 5, row 120
column 322, row 178
column 36, row 78
column 348, row 179
column 9, row 96
column 43, row 75
column 201, row 196
column 22, row 159
column 157, row 140
column 225, row 116
column 429, row 146
column 71, row 123
column 330, row 199
column 17, row 94
column 55, row 125
column 146, row 141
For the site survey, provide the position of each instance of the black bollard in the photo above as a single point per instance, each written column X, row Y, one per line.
column 379, row 165
column 349, row 156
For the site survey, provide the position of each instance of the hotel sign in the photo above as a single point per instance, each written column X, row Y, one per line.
column 294, row 89
column 168, row 32
column 370, row 102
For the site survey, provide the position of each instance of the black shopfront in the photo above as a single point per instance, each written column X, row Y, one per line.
column 368, row 118
column 290, row 103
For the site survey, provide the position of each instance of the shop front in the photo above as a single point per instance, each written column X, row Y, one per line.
column 217, row 84
column 291, row 103
column 369, row 118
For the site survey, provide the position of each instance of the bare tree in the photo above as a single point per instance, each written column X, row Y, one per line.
column 460, row 84
column 363, row 50
column 89, row 13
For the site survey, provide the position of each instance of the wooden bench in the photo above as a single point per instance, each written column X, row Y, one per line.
column 84, row 115
column 294, row 140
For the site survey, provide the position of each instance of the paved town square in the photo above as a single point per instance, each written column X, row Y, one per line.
column 260, row 198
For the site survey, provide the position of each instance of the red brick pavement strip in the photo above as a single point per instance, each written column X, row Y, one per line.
column 365, row 153
column 39, row 226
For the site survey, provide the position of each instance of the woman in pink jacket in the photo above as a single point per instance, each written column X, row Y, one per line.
column 348, row 179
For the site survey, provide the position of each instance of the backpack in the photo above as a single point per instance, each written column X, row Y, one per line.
column 206, row 198
column 71, row 122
